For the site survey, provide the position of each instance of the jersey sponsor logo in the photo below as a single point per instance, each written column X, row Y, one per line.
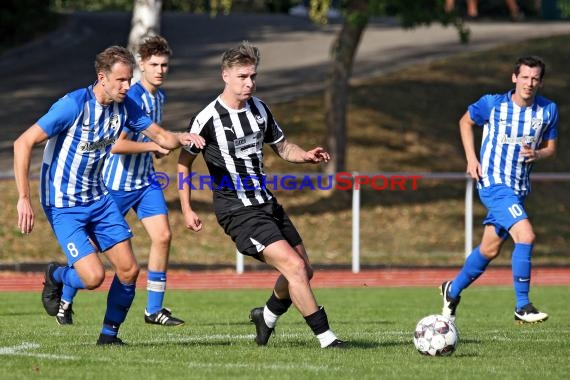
column 96, row 145
column 230, row 128
column 517, row 140
column 250, row 144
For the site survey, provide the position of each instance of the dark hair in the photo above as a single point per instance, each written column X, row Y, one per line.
column 244, row 54
column 155, row 45
column 105, row 60
column 530, row 61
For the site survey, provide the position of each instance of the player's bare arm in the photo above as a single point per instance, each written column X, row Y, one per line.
column 293, row 153
column 546, row 150
column 466, row 125
column 170, row 140
column 124, row 145
column 22, row 158
column 191, row 219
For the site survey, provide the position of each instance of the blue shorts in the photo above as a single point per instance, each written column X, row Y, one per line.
column 147, row 201
column 100, row 221
column 505, row 208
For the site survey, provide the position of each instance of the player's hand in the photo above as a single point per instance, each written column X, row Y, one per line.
column 529, row 153
column 192, row 221
column 474, row 170
column 161, row 152
column 191, row 139
column 317, row 155
column 25, row 215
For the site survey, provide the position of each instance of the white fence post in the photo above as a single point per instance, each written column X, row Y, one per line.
column 355, row 226
column 468, row 216
column 239, row 262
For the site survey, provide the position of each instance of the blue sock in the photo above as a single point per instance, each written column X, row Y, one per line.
column 68, row 276
column 119, row 300
column 474, row 266
column 71, row 282
column 521, row 264
column 68, row 293
column 155, row 286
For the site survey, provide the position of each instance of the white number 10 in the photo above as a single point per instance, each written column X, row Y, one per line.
column 515, row 210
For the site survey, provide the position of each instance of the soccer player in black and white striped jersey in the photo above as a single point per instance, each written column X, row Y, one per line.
column 235, row 126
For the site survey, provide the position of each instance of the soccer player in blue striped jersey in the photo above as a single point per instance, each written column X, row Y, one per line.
column 80, row 129
column 520, row 128
column 128, row 174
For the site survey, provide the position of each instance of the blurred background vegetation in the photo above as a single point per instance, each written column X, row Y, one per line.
column 24, row 20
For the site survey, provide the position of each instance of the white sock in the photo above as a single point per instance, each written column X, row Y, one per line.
column 270, row 317
column 326, row 338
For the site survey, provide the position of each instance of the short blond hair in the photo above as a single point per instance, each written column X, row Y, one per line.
column 241, row 55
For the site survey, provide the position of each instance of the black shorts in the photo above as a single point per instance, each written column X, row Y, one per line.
column 253, row 228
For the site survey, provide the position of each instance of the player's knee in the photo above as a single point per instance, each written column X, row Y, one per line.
column 165, row 238
column 527, row 238
column 129, row 275
column 489, row 252
column 299, row 271
column 93, row 280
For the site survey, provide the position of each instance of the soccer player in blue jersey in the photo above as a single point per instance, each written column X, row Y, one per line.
column 128, row 175
column 80, row 129
column 520, row 128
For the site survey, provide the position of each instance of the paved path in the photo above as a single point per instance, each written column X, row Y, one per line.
column 294, row 59
column 415, row 277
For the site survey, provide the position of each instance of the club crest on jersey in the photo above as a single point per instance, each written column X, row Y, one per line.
column 536, row 123
column 259, row 119
column 114, row 122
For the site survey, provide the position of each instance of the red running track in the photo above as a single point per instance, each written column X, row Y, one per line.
column 204, row 280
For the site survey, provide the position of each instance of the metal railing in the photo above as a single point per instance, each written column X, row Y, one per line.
column 441, row 176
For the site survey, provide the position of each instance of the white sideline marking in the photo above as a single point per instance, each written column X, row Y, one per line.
column 296, row 366
column 21, row 350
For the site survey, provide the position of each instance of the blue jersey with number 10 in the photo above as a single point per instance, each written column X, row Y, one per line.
column 507, row 127
column 81, row 132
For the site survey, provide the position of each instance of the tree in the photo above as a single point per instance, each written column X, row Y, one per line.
column 144, row 23
column 356, row 17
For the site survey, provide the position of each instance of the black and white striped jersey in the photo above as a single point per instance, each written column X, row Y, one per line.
column 234, row 151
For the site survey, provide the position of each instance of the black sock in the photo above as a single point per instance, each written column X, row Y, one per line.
column 318, row 321
column 278, row 306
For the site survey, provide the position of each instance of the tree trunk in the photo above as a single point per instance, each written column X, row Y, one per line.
column 145, row 23
column 343, row 51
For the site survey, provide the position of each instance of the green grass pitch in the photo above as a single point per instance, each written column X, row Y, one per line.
column 217, row 340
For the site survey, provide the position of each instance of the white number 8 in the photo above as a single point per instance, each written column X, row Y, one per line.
column 72, row 250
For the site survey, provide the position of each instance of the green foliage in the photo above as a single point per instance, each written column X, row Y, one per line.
column 217, row 340
column 22, row 20
column 93, row 5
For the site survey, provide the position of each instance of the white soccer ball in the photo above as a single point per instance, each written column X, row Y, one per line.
column 436, row 335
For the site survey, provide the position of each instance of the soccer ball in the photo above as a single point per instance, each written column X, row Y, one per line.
column 436, row 335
